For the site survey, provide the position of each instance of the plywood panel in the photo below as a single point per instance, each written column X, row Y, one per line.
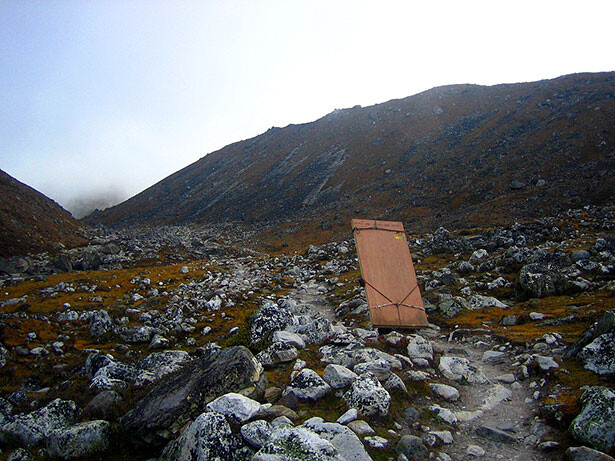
column 392, row 290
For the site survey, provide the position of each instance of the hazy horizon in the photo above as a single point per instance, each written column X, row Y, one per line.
column 103, row 100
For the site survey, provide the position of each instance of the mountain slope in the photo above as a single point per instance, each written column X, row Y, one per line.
column 31, row 222
column 457, row 155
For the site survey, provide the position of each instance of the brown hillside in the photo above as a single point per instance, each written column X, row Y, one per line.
column 456, row 155
column 31, row 222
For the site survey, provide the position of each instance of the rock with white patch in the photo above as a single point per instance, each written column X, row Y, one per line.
column 307, row 385
column 460, row 369
column 419, row 348
column 341, row 437
column 599, row 355
column 368, row 396
column 338, row 376
column 79, row 441
column 594, row 425
column 235, row 407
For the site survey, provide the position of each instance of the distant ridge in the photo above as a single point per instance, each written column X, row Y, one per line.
column 454, row 155
column 30, row 221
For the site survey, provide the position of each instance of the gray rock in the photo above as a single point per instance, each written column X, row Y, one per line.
column 594, row 425
column 30, row 429
column 377, row 443
column 176, row 400
column 307, row 385
column 341, row 437
column 361, row 428
column 277, row 353
column 538, row 281
column 338, row 376
column 209, row 437
column 103, row 406
column 138, row 335
column 460, row 369
column 348, row 417
column 493, row 356
column 395, row 383
column 80, row 440
column 599, row 355
column 586, row 454
column 160, row 364
column 256, row 433
column 5, row 356
column 269, row 318
column 20, row 455
column 367, row 395
column 605, row 324
column 315, row 331
column 352, row 354
column 480, row 302
column 446, row 392
column 288, row 337
column 412, row 448
column 236, row 407
column 509, row 320
column 546, row 363
column 494, row 434
column 580, row 255
column 446, row 415
column 475, row 451
column 419, row 348
column 297, row 444
column 100, row 324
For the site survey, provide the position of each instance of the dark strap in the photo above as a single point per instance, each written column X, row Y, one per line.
column 393, row 303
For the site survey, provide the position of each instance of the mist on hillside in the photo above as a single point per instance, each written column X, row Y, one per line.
column 82, row 206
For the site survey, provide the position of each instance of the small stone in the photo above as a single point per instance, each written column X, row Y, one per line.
column 184, row 270
column 348, row 417
column 586, row 454
column 546, row 363
column 446, row 392
column 376, row 442
column 361, row 428
column 475, row 451
column 412, row 447
column 507, row 378
column 494, row 434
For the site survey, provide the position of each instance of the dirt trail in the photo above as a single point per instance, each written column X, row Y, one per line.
column 497, row 404
column 507, row 406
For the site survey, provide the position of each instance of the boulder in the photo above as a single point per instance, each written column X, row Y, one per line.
column 209, row 437
column 594, row 425
column 586, row 454
column 100, row 324
column 341, row 437
column 599, row 355
column 368, row 396
column 176, row 400
column 296, row 444
column 159, row 364
column 277, row 353
column 460, row 369
column 288, row 337
column 236, row 407
column 338, row 376
column 315, row 331
column 412, row 447
column 539, row 281
column 419, row 348
column 354, row 353
column 269, row 318
column 104, row 405
column 480, row 302
column 446, row 392
column 307, row 385
column 257, row 433
column 30, row 429
column 138, row 335
column 605, row 324
column 80, row 440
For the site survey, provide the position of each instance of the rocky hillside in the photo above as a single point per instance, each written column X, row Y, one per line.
column 31, row 222
column 178, row 350
column 456, row 155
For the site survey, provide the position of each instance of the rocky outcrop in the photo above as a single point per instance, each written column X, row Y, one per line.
column 176, row 401
column 594, row 425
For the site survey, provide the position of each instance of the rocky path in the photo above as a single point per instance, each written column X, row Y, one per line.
column 497, row 416
column 494, row 413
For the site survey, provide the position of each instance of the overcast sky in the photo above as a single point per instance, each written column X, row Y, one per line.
column 105, row 98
